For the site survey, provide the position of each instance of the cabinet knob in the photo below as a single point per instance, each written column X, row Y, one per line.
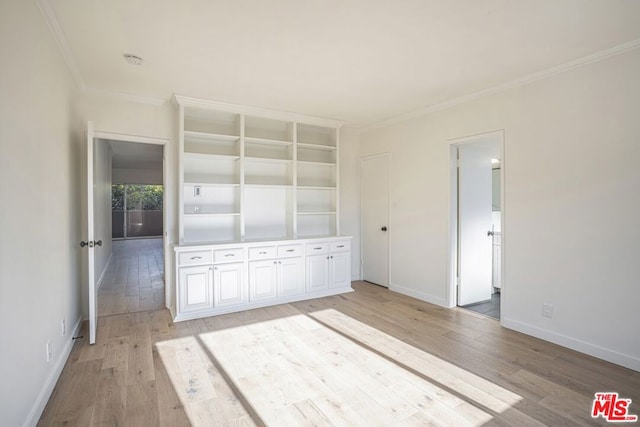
column 384, row 228
column 275, row 262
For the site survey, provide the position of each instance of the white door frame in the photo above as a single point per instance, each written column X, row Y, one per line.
column 362, row 159
column 166, row 196
column 452, row 273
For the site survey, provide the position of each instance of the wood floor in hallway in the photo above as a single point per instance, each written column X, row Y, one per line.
column 133, row 280
column 368, row 358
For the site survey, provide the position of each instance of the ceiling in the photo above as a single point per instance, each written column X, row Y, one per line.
column 361, row 61
column 129, row 155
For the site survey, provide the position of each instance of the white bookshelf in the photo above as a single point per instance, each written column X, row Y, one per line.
column 255, row 175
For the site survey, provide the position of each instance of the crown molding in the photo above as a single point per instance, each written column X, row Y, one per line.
column 121, row 96
column 187, row 101
column 58, row 35
column 521, row 81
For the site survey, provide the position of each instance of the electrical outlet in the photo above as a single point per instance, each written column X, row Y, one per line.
column 64, row 328
column 49, row 353
column 547, row 310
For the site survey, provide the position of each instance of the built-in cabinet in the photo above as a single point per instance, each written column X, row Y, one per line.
column 217, row 279
column 258, row 193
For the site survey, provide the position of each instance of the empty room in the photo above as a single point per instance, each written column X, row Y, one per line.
column 291, row 213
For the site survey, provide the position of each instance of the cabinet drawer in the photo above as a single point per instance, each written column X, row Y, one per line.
column 341, row 246
column 195, row 257
column 228, row 255
column 317, row 248
column 287, row 251
column 263, row 252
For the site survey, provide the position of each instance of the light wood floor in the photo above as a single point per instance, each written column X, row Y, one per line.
column 133, row 281
column 371, row 357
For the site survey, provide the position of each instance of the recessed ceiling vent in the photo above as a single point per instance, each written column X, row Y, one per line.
column 132, row 59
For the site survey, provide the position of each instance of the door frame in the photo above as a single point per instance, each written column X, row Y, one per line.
column 166, row 197
column 362, row 160
column 452, row 271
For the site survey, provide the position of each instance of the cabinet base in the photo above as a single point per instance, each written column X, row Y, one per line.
column 252, row 305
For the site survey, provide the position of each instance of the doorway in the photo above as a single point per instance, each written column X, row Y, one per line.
column 133, row 281
column 374, row 178
column 476, row 223
column 103, row 151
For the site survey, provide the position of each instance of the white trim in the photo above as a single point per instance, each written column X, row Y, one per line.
column 520, row 81
column 121, row 96
column 422, row 296
column 621, row 359
column 256, row 111
column 58, row 35
column 129, row 138
column 104, row 271
column 43, row 397
column 361, row 260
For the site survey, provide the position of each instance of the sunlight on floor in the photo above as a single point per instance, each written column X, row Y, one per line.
column 321, row 368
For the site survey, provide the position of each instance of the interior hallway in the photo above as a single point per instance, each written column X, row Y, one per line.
column 133, row 281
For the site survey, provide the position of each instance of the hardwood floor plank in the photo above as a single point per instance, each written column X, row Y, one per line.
column 371, row 357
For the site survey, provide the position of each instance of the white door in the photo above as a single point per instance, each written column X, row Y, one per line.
column 262, row 279
column 196, row 288
column 375, row 219
column 290, row 276
column 474, row 222
column 228, row 284
column 89, row 243
column 340, row 271
column 317, row 272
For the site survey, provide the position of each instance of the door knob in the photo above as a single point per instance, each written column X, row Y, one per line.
column 384, row 228
column 489, row 233
column 83, row 244
column 98, row 243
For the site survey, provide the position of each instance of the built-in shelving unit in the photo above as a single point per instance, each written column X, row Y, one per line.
column 249, row 174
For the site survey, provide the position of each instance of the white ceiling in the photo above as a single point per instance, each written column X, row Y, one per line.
column 360, row 61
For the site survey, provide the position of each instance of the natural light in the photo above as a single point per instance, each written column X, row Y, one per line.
column 324, row 366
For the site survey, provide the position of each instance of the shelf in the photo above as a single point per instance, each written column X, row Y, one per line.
column 316, row 147
column 209, row 215
column 269, row 186
column 205, row 156
column 311, row 187
column 211, row 180
column 316, row 213
column 209, row 184
column 267, row 160
column 303, row 162
column 190, row 134
column 267, row 141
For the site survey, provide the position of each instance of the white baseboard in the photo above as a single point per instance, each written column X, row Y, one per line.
column 594, row 350
column 432, row 299
column 104, row 271
column 47, row 389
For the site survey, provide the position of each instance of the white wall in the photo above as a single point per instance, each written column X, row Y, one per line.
column 350, row 194
column 137, row 176
column 571, row 231
column 40, row 215
column 102, row 207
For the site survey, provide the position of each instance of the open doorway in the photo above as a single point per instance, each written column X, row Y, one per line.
column 133, row 280
column 477, row 217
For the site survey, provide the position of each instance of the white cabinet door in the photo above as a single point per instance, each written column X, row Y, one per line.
column 228, row 284
column 290, row 276
column 340, row 270
column 262, row 279
column 317, row 273
column 196, row 290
